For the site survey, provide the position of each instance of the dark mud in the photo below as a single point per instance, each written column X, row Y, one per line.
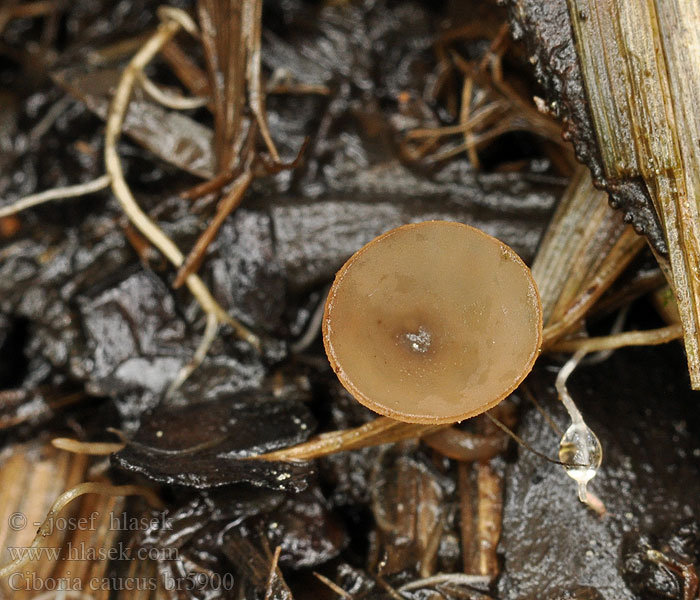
column 648, row 422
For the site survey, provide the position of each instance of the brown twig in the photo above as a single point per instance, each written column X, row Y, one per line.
column 226, row 206
column 335, row 587
column 115, row 118
column 466, row 523
column 489, row 520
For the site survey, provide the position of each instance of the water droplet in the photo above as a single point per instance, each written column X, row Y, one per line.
column 581, row 453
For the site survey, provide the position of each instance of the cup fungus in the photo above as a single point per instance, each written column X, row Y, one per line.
column 434, row 322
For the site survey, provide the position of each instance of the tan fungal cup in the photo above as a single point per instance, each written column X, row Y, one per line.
column 433, row 323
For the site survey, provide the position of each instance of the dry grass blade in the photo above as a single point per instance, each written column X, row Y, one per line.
column 585, row 248
column 489, row 519
column 64, row 500
column 573, row 236
column 168, row 28
column 643, row 86
column 90, row 448
column 221, row 22
column 32, row 478
column 333, row 586
column 651, row 337
column 226, row 206
column 276, row 586
column 456, row 579
column 382, row 430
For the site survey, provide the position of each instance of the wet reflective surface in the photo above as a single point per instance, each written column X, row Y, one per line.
column 432, row 322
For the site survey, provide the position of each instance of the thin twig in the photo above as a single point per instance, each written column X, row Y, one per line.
column 66, row 498
column 269, row 592
column 478, row 118
column 115, row 118
column 71, row 191
column 520, row 441
column 226, row 206
column 453, row 578
column 388, row 588
column 208, row 338
column 650, row 337
column 168, row 99
column 542, row 411
column 335, row 587
column 91, row 448
column 466, row 516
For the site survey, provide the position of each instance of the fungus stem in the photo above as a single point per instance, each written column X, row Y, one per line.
column 71, row 191
column 313, row 327
column 603, row 355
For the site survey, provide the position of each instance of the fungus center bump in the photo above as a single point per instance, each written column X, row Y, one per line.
column 417, row 342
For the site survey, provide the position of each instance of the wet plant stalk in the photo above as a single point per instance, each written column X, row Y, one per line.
column 641, row 68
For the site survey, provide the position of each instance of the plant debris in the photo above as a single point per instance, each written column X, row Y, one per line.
column 246, row 150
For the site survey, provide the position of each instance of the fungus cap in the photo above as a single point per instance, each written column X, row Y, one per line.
column 434, row 322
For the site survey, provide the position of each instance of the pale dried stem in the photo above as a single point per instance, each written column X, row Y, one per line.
column 115, row 119
column 256, row 97
column 200, row 354
column 66, row 498
column 489, row 519
column 71, row 191
column 650, row 337
column 90, row 448
column 382, row 430
column 168, row 99
column 333, row 586
column 445, row 578
column 464, row 118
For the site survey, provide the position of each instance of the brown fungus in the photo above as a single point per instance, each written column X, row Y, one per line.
column 433, row 323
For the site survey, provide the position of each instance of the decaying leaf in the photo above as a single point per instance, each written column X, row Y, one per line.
column 586, row 247
column 206, row 445
column 622, row 77
column 170, row 135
